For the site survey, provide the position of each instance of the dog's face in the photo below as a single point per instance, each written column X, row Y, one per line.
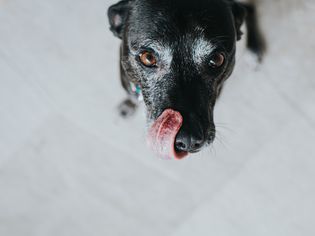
column 180, row 53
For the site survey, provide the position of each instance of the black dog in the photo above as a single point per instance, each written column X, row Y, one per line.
column 176, row 54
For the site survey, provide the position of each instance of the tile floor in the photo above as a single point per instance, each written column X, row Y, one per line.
column 70, row 166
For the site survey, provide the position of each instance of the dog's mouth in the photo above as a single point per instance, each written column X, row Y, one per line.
column 162, row 135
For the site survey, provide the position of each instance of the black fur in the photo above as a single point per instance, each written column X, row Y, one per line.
column 171, row 28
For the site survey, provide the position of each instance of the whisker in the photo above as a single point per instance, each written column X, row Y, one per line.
column 225, row 126
column 213, row 150
column 221, row 140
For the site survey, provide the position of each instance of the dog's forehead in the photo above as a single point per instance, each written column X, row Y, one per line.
column 172, row 20
column 194, row 43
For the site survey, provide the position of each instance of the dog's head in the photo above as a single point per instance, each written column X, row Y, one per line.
column 179, row 52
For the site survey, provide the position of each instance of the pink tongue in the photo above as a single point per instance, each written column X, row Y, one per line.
column 162, row 134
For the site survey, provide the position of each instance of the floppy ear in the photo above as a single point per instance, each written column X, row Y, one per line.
column 117, row 15
column 239, row 13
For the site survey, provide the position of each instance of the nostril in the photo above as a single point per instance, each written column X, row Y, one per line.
column 196, row 145
column 181, row 146
column 189, row 139
column 182, row 141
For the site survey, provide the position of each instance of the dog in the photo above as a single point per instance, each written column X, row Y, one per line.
column 175, row 55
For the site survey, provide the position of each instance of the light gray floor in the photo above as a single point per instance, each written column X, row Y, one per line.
column 70, row 166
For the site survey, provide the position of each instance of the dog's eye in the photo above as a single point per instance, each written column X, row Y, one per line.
column 217, row 60
column 148, row 58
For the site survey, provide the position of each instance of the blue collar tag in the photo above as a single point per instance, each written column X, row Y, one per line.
column 136, row 89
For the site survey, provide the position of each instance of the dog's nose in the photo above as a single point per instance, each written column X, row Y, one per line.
column 189, row 141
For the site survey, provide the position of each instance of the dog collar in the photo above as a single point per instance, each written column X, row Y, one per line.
column 136, row 90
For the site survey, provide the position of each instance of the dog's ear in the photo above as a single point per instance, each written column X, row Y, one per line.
column 239, row 13
column 117, row 15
